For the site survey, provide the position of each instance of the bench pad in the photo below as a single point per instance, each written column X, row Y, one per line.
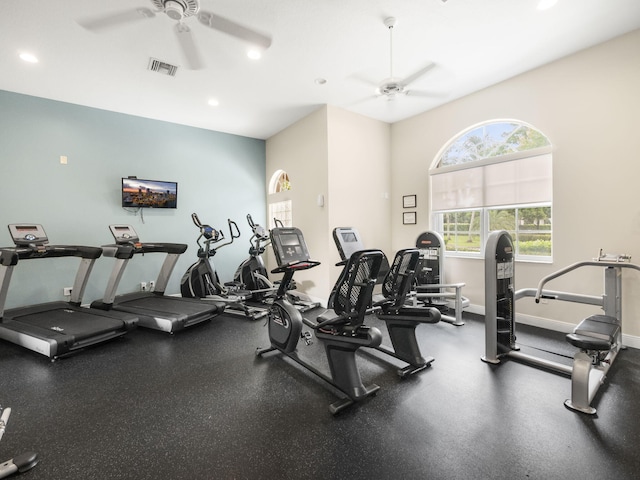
column 597, row 332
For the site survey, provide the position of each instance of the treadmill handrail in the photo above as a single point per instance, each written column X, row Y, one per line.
column 118, row 251
column 142, row 247
column 8, row 258
column 52, row 251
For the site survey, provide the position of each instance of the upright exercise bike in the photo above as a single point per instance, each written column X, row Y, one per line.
column 201, row 278
column 341, row 329
column 253, row 274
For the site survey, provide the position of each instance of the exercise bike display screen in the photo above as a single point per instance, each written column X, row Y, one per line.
column 347, row 240
column 289, row 240
column 349, row 237
column 289, row 246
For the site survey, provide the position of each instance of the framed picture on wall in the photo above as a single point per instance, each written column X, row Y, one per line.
column 409, row 218
column 409, row 201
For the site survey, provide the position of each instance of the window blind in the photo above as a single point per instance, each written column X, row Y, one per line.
column 513, row 182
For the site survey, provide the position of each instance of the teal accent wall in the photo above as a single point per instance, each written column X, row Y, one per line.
column 219, row 176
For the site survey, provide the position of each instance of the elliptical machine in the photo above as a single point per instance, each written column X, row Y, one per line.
column 252, row 273
column 201, row 278
column 341, row 330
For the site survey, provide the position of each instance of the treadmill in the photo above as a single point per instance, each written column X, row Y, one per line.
column 155, row 310
column 59, row 328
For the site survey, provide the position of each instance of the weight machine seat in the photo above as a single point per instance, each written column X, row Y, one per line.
column 396, row 287
column 597, row 332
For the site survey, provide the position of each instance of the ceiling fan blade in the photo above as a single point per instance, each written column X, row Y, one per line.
column 188, row 46
column 362, row 79
column 234, row 29
column 96, row 24
column 425, row 94
column 412, row 78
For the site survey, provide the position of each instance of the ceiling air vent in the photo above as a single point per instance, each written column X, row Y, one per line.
column 159, row 66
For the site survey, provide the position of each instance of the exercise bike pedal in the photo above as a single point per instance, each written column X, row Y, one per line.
column 306, row 336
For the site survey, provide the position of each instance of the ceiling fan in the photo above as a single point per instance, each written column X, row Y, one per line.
column 393, row 87
column 180, row 11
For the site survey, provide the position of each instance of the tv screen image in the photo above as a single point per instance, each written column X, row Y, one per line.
column 137, row 192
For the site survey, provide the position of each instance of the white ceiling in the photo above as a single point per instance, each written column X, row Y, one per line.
column 473, row 43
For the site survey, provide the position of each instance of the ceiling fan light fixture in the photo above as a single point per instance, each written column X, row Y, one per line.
column 391, row 89
column 28, row 57
column 174, row 9
column 254, row 54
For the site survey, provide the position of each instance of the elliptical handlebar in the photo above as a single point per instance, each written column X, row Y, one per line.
column 260, row 237
column 214, row 236
column 196, row 220
column 259, row 232
column 234, row 233
column 233, row 226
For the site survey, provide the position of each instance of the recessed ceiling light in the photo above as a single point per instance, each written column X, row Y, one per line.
column 254, row 54
column 213, row 102
column 546, row 4
column 320, row 81
column 28, row 57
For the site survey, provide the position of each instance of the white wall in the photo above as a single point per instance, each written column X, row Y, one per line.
column 301, row 150
column 359, row 181
column 588, row 105
column 344, row 157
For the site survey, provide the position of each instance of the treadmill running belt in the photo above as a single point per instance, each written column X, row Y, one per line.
column 174, row 306
column 79, row 322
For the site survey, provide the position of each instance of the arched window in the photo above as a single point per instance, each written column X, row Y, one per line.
column 279, row 182
column 494, row 176
column 279, row 209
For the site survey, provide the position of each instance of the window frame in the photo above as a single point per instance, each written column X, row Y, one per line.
column 437, row 216
column 437, row 221
column 284, row 214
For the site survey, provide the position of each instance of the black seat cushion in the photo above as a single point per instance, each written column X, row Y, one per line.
column 597, row 332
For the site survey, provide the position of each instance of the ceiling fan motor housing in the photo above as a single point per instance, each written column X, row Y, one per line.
column 177, row 9
column 391, row 89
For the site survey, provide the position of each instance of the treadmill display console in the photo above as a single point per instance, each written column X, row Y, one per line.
column 28, row 234
column 124, row 233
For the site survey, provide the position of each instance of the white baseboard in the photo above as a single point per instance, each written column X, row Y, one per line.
column 555, row 325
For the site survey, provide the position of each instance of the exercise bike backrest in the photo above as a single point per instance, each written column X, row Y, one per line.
column 352, row 293
column 399, row 280
column 213, row 236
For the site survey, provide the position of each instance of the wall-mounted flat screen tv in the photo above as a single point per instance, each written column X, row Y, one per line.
column 137, row 192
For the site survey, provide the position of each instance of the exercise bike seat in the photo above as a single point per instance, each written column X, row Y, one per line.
column 350, row 300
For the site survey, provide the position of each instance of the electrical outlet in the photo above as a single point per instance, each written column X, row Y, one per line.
column 143, row 286
column 67, row 291
column 152, row 286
